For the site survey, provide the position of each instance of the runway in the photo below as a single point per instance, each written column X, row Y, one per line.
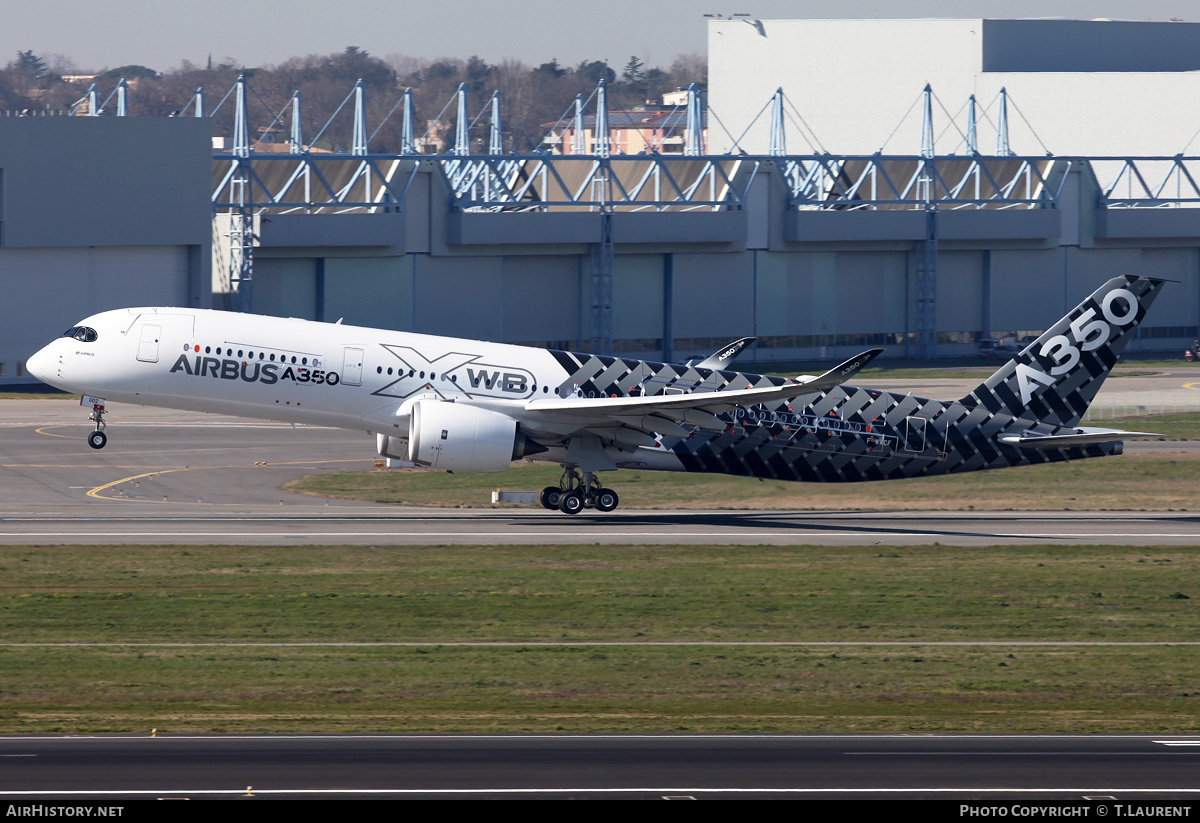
column 1073, row 770
column 481, row 527
column 183, row 478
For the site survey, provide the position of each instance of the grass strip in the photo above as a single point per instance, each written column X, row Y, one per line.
column 623, row 593
column 631, row 596
column 579, row 690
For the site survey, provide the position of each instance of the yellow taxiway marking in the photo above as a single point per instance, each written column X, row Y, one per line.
column 96, row 492
column 42, row 430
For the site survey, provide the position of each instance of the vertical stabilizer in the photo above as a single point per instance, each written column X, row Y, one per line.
column 1055, row 378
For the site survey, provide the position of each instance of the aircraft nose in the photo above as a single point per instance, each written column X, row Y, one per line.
column 41, row 364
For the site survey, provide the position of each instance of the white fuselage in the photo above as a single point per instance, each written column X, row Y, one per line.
column 286, row 369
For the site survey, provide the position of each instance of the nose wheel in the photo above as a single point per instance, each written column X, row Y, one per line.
column 97, row 439
column 577, row 491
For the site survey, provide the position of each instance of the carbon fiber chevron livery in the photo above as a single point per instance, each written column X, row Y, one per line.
column 1073, row 357
column 854, row 434
column 472, row 406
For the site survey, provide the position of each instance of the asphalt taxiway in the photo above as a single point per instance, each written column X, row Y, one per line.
column 187, row 478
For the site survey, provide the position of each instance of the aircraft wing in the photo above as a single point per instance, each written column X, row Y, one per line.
column 662, row 413
column 1082, row 437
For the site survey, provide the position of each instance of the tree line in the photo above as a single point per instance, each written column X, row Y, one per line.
column 532, row 96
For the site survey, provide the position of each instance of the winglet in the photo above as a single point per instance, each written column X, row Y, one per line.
column 723, row 357
column 839, row 374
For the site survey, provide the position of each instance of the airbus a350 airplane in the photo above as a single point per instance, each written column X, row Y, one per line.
column 466, row 405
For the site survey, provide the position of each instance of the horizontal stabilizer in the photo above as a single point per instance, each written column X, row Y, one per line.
column 1081, row 437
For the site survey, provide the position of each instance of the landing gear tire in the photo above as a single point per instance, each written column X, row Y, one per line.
column 570, row 502
column 607, row 500
column 97, row 440
column 550, row 497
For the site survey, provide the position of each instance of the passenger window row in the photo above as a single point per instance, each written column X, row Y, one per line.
column 248, row 354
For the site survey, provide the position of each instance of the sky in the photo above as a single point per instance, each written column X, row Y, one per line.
column 99, row 34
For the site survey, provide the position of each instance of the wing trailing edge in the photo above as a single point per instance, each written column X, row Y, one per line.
column 715, row 401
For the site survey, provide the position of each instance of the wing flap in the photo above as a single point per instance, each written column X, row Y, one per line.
column 650, row 423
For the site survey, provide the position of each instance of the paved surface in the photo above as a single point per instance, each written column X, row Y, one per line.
column 187, row 478
column 985, row 770
column 179, row 477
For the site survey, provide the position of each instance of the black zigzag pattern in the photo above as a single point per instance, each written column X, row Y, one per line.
column 852, row 434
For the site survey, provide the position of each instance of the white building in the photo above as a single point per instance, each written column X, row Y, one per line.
column 1077, row 87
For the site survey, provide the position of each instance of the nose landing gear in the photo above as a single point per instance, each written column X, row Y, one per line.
column 98, row 438
column 577, row 491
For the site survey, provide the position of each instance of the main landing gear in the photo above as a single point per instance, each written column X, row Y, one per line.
column 577, row 491
column 98, row 438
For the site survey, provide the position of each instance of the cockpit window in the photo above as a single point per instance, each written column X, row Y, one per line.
column 83, row 334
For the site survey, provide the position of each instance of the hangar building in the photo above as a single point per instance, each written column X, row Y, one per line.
column 817, row 254
column 98, row 213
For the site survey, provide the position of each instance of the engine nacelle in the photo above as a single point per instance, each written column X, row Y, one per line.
column 460, row 437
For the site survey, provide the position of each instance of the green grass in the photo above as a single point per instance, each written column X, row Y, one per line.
column 628, row 596
column 600, row 690
column 1172, row 426
column 523, row 593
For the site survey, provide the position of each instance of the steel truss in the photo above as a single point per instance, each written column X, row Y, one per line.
column 913, row 181
column 623, row 183
column 312, row 183
column 375, row 183
column 1147, row 182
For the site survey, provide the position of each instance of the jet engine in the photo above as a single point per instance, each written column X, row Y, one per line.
column 460, row 437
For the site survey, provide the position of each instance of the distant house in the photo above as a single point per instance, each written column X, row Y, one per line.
column 652, row 129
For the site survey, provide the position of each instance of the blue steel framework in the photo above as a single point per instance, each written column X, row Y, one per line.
column 249, row 183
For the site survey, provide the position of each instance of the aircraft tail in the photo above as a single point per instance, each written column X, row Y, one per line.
column 1055, row 378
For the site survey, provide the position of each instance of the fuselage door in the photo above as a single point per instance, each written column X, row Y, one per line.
column 352, row 366
column 148, row 343
column 914, row 434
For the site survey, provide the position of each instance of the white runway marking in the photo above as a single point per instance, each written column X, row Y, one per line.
column 672, row 537
column 629, row 790
column 513, row 644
